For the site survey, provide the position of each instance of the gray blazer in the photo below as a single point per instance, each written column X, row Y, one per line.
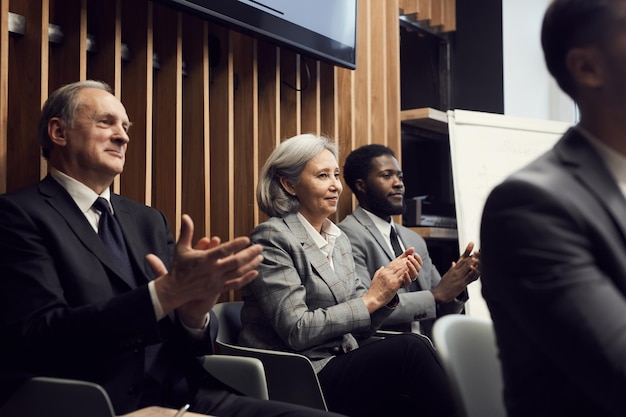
column 298, row 303
column 553, row 265
column 371, row 252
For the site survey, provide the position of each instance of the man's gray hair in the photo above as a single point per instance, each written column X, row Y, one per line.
column 63, row 103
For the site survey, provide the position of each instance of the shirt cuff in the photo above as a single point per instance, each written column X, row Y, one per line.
column 158, row 309
column 159, row 314
column 198, row 333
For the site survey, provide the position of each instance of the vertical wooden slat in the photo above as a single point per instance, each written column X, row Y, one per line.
column 245, row 133
column 425, row 10
column 167, row 110
column 363, row 78
column 103, row 23
column 195, row 181
column 449, row 15
column 289, row 96
column 409, row 6
column 392, row 77
column 221, row 133
column 345, row 122
column 327, row 100
column 136, row 180
column 310, row 96
column 28, row 88
column 269, row 107
column 68, row 59
column 4, row 93
column 437, row 18
column 378, row 78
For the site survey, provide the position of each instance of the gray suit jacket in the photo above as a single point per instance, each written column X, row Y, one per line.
column 553, row 265
column 371, row 252
column 298, row 303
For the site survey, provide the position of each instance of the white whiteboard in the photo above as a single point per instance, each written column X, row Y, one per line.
column 484, row 149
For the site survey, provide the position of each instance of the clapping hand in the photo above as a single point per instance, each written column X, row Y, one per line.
column 199, row 274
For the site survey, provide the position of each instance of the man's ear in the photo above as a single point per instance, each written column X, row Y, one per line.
column 360, row 185
column 290, row 189
column 586, row 66
column 56, row 131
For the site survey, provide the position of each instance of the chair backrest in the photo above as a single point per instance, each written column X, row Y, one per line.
column 290, row 376
column 229, row 318
column 467, row 348
column 56, row 397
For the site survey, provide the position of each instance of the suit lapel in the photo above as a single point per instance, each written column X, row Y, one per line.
column 369, row 225
column 62, row 202
column 363, row 218
column 587, row 166
column 315, row 257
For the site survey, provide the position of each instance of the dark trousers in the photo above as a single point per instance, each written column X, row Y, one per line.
column 397, row 376
column 233, row 405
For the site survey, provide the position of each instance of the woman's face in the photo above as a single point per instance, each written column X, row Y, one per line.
column 319, row 188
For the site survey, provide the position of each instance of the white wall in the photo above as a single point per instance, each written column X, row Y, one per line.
column 529, row 90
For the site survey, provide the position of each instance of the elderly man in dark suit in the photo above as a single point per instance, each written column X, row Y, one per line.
column 374, row 175
column 73, row 305
column 554, row 233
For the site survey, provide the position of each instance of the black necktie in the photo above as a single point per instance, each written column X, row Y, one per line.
column 395, row 242
column 110, row 232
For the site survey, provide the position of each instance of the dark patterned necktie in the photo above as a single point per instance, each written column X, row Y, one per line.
column 395, row 242
column 110, row 232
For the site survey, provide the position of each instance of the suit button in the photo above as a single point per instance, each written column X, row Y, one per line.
column 133, row 389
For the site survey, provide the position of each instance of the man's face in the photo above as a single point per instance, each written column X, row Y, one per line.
column 95, row 147
column 614, row 61
column 384, row 187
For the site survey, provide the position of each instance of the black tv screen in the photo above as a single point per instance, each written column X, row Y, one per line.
column 322, row 29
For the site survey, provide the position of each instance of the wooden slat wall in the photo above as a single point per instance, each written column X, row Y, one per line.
column 208, row 104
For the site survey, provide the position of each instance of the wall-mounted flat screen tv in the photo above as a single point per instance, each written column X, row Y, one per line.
column 322, row 29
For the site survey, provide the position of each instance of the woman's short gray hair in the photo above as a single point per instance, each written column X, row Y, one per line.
column 288, row 161
column 63, row 104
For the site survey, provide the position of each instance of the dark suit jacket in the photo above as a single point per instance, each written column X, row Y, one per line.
column 553, row 261
column 371, row 252
column 64, row 309
column 298, row 303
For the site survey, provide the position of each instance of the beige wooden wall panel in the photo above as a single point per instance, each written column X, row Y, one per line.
column 268, row 69
column 166, row 162
column 369, row 98
column 104, row 63
column 425, row 11
column 221, row 136
column 409, row 7
column 136, row 94
column 449, row 15
column 290, row 106
column 27, row 88
column 196, row 146
column 68, row 59
column 245, row 132
column 206, row 119
column 4, row 97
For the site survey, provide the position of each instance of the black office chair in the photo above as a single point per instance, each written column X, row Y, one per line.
column 59, row 397
column 290, row 376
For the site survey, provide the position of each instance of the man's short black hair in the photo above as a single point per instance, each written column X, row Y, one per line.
column 359, row 163
column 570, row 24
